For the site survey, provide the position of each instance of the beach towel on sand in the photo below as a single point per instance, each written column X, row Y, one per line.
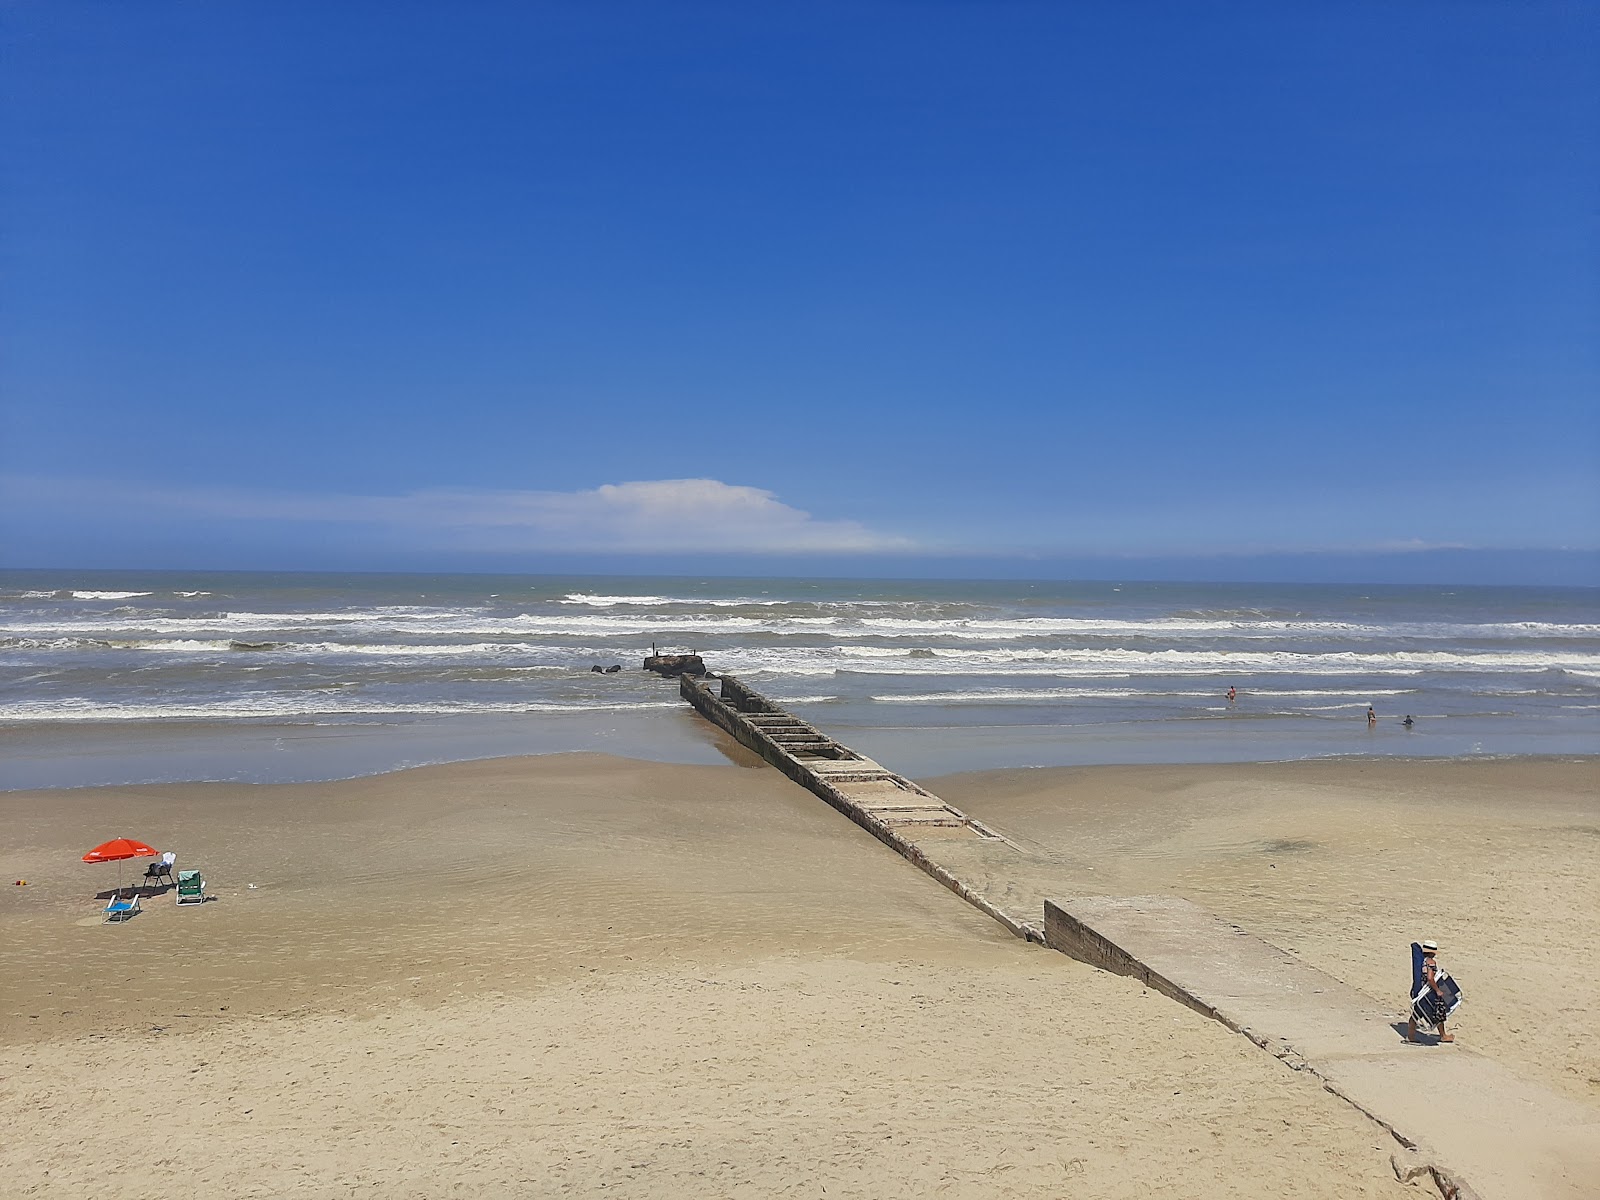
column 1427, row 1006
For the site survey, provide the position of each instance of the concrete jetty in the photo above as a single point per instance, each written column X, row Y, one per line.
column 889, row 806
column 1457, row 1116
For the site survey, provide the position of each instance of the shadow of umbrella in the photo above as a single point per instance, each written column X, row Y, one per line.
column 119, row 850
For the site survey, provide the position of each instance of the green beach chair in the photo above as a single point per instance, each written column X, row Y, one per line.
column 191, row 888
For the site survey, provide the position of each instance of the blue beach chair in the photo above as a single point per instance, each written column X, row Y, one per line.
column 121, row 910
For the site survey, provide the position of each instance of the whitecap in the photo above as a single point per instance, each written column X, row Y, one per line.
column 78, row 708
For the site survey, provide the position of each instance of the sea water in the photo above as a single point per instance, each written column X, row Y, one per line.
column 142, row 677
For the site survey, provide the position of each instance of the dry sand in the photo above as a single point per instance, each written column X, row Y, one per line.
column 1345, row 863
column 535, row 977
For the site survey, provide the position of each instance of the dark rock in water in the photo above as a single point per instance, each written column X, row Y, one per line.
column 675, row 664
column 613, row 668
column 252, row 645
column 922, row 654
column 597, row 669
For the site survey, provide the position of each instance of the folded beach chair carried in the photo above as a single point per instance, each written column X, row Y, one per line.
column 119, row 909
column 191, row 888
column 1428, row 1009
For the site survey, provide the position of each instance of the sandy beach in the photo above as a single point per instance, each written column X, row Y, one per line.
column 545, row 976
column 865, row 601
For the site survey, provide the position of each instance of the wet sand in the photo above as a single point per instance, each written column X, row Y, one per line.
column 544, row 976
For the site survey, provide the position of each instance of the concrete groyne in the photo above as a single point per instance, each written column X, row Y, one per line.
column 887, row 805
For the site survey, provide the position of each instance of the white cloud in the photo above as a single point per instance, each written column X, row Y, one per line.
column 660, row 514
column 669, row 515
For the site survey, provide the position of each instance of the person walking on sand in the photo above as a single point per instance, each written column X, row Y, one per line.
column 1435, row 998
column 1372, row 718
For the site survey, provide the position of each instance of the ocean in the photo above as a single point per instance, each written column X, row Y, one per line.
column 125, row 677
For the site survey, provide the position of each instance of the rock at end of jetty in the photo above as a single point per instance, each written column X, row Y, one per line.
column 675, row 664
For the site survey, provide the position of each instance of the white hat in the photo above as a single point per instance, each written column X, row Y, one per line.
column 1430, row 947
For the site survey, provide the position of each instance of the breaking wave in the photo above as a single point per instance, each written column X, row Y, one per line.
column 265, row 646
column 238, row 708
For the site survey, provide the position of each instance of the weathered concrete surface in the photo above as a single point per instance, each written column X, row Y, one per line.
column 1472, row 1119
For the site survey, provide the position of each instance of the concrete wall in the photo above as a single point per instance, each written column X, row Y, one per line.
column 1064, row 932
column 738, row 696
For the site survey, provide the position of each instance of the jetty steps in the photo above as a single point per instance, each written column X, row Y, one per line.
column 1456, row 1115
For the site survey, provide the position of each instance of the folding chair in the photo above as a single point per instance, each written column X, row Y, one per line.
column 191, row 888
column 121, row 910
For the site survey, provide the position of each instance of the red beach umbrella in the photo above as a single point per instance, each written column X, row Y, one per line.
column 119, row 848
column 116, row 850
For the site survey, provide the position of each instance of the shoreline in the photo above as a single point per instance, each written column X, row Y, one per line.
column 59, row 755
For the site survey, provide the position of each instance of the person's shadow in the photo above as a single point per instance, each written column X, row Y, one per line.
column 1423, row 1038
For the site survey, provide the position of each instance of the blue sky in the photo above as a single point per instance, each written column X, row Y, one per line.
column 507, row 286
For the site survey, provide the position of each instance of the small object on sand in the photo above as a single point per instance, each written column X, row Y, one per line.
column 21, row 883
